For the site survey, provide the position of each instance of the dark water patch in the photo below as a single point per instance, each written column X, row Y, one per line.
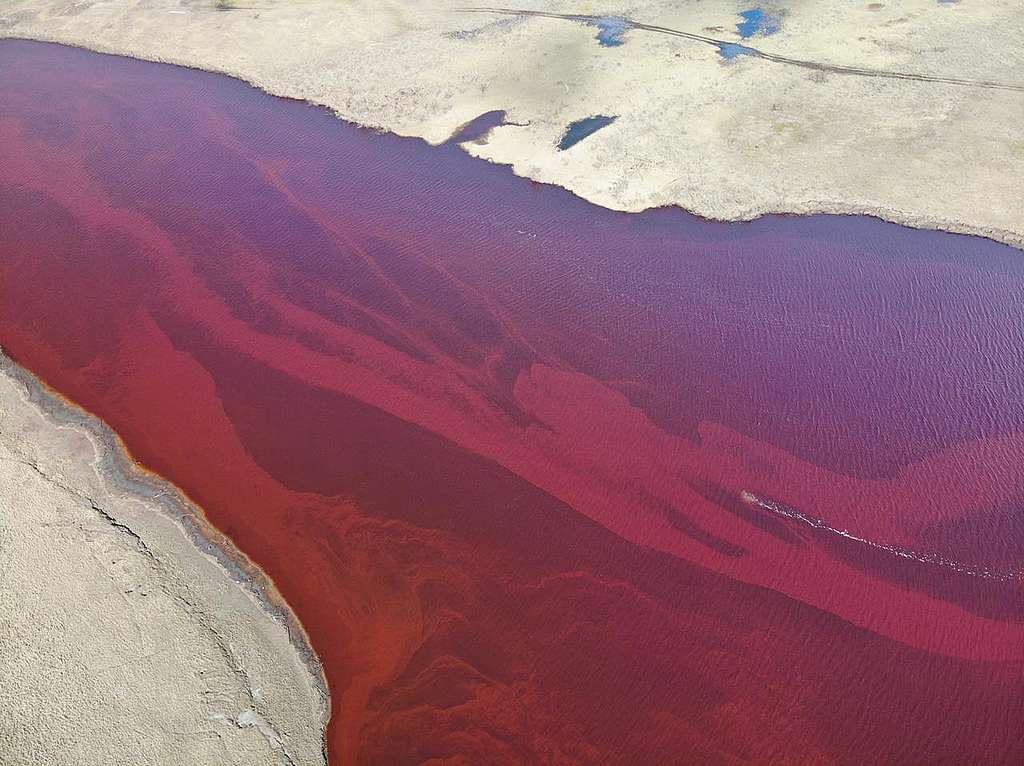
column 695, row 532
column 731, row 501
column 979, row 585
column 581, row 129
column 993, row 534
column 476, row 130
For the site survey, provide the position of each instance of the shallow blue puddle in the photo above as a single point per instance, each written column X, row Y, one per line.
column 757, row 21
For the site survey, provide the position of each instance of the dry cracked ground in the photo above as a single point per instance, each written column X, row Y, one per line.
column 120, row 640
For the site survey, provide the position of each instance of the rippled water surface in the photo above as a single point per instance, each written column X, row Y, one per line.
column 545, row 482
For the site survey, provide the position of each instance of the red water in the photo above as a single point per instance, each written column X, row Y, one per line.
column 545, row 483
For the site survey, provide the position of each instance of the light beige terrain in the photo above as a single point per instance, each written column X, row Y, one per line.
column 121, row 642
column 725, row 139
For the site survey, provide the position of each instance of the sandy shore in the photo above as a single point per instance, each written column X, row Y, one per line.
column 127, row 636
column 724, row 138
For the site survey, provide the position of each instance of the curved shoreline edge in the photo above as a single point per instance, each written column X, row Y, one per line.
column 116, row 467
column 804, row 208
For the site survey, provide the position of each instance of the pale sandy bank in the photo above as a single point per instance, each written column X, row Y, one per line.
column 121, row 641
column 725, row 138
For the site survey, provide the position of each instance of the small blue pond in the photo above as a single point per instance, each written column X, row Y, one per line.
column 609, row 29
column 757, row 21
column 729, row 51
column 580, row 129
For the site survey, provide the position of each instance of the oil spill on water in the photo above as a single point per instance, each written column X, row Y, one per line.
column 536, row 476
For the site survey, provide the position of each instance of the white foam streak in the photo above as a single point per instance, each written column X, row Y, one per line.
column 786, row 511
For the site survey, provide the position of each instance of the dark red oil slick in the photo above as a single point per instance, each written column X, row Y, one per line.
column 545, row 483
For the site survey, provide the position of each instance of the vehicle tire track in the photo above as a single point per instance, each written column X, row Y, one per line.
column 887, row 74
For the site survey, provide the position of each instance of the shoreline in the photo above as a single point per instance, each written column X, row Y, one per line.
column 117, row 467
column 899, row 217
column 615, row 174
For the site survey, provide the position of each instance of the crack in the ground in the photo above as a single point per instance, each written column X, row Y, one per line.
column 238, row 669
column 140, row 543
column 195, row 612
column 101, row 512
